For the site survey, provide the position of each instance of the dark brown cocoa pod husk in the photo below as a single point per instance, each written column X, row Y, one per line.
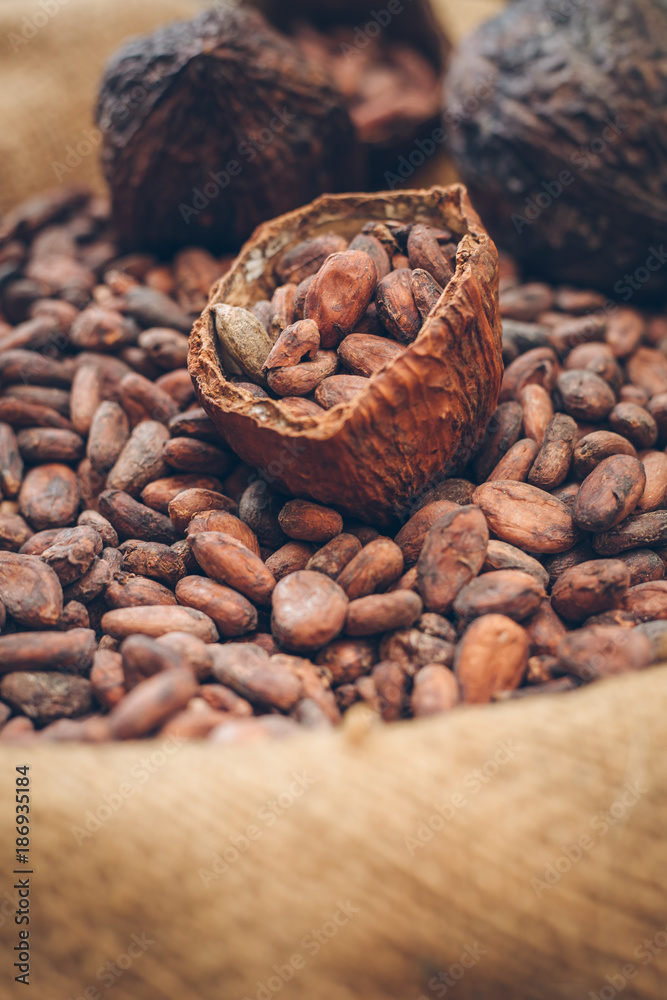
column 49, row 444
column 609, row 493
column 172, row 64
column 134, row 520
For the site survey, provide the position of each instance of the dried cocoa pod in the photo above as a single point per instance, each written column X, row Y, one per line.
column 289, row 558
column 365, row 354
column 159, row 493
column 647, row 368
column 308, row 610
column 644, row 565
column 453, row 553
column 49, row 444
column 332, row 558
column 339, row 389
column 378, row 564
column 412, row 649
column 299, row 380
column 106, row 531
column 647, row 601
column 589, row 588
column 231, row 612
column 517, row 461
column 295, row 342
column 502, row 555
column 221, row 520
column 156, row 620
column 249, row 671
column 502, row 432
column 339, row 295
column 343, row 660
column 228, row 561
column 49, row 496
column 459, row 491
column 375, row 249
column 14, row 532
column 69, row 652
column 167, row 348
column 526, row 516
column 141, row 459
column 396, row 306
column 11, row 463
column 410, row 539
column 655, row 490
column 424, row 252
column 545, row 629
column 134, row 520
column 152, row 559
column 595, row 447
column 19, row 413
column 380, row 612
column 97, row 329
column 509, row 592
column 425, row 291
column 106, row 677
column 151, row 703
column 194, row 423
column 435, row 690
column 309, row 522
column 603, row 651
column 553, row 460
column 45, row 697
column 609, row 493
column 142, row 657
column 186, row 504
column 109, row 431
column 305, row 259
column 72, row 552
column 190, row 455
column 635, row 423
column 539, row 366
column 136, row 591
column 492, row 656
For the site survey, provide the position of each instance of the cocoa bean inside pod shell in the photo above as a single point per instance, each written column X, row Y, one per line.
column 421, row 410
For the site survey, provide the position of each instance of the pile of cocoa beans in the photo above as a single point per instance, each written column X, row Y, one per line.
column 151, row 584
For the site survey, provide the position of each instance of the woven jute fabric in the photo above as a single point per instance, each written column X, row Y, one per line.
column 514, row 852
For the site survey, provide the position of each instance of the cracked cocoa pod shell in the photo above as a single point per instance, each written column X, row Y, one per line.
column 561, row 133
column 215, row 124
column 421, row 413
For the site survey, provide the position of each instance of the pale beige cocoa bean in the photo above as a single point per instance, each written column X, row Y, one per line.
column 49, row 444
column 159, row 493
column 545, row 629
column 153, row 559
column 590, row 588
column 332, row 558
column 609, row 493
column 45, row 697
column 435, row 690
column 365, row 353
column 296, row 341
column 502, row 555
column 30, row 590
column 595, row 447
column 151, row 703
column 339, row 389
column 655, row 491
column 635, row 423
column 452, row 554
column 49, row 496
column 107, row 678
column 517, row 462
column 539, row 366
column 396, row 306
column 222, row 520
column 647, row 368
column 343, row 660
column 492, row 656
column 134, row 520
column 308, row 610
column 141, row 460
column 507, row 592
column 299, row 380
column 340, row 294
column 72, row 552
column 503, row 430
column 373, row 569
column 70, row 651
column 537, row 410
column 137, row 591
column 289, row 558
column 231, row 612
column 11, row 463
column 412, row 649
column 309, row 522
column 552, row 463
column 249, row 671
column 644, row 565
column 228, row 561
column 526, row 516
column 647, row 601
column 109, row 431
column 410, row 539
column 14, row 532
column 306, row 258
column 195, row 500
column 156, row 620
column 194, row 653
column 380, row 612
column 603, row 651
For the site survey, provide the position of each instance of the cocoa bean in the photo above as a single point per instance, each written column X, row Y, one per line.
column 585, row 395
column 553, row 460
column 492, row 656
column 308, row 610
column 537, row 410
column 11, row 463
column 595, row 447
column 374, row 248
column 230, row 611
column 525, row 302
column 644, row 565
column 30, row 590
column 91, row 584
column 142, row 657
column 380, row 612
column 189, row 455
column 195, row 423
column 106, row 531
column 502, row 555
column 282, row 309
column 545, row 629
column 590, row 588
column 299, row 380
column 339, row 389
column 228, row 561
column 635, row 423
column 249, row 671
column 141, row 460
column 289, row 558
column 107, row 678
column 517, row 462
column 221, row 520
column 97, row 329
column 137, row 591
column 109, row 431
column 186, row 504
column 390, row 683
column 224, row 699
column 156, row 620
column 309, row 522
column 655, row 490
column 425, row 291
column 193, row 652
column 625, row 328
column 167, row 348
column 647, row 368
column 72, row 552
column 609, row 493
column 410, row 539
column 378, row 564
column 538, row 366
column 307, row 257
column 343, row 660
column 435, row 690
column 47, row 696
column 14, row 532
column 159, row 493
column 151, row 703
column 453, row 553
column 411, row 649
column 602, row 651
column 70, row 652
column 502, row 432
column 134, row 520
column 340, row 294
column 508, row 592
column 365, row 354
column 526, row 516
column 459, row 491
column 152, row 559
column 596, row 358
column 296, row 341
column 647, row 601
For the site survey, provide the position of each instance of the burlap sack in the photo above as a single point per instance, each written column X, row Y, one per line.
column 513, row 851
